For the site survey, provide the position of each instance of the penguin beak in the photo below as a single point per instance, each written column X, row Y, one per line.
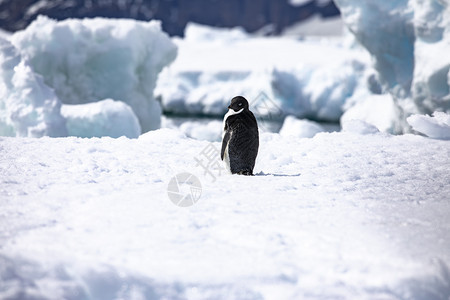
column 229, row 106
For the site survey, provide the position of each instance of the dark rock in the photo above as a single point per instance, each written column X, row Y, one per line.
column 175, row 14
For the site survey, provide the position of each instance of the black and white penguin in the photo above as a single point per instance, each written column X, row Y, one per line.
column 240, row 139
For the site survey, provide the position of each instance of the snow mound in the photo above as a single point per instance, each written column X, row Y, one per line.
column 28, row 107
column 311, row 78
column 437, row 126
column 103, row 118
column 300, row 128
column 409, row 41
column 378, row 110
column 94, row 59
column 358, row 126
column 199, row 129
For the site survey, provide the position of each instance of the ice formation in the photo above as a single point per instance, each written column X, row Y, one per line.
column 103, row 118
column 410, row 42
column 311, row 78
column 377, row 110
column 358, row 126
column 94, row 59
column 436, row 126
column 300, row 128
column 28, row 107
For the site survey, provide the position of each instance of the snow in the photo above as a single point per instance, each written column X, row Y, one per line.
column 28, row 107
column 199, row 129
column 358, row 126
column 436, row 126
column 378, row 110
column 307, row 78
column 409, row 41
column 91, row 60
column 103, row 118
column 337, row 216
column 300, row 128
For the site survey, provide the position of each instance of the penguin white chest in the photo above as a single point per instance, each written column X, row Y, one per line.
column 226, row 160
column 226, row 156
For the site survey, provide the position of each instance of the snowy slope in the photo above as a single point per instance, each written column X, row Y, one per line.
column 338, row 216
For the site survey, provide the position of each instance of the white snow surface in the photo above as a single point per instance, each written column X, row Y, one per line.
column 358, row 126
column 378, row 110
column 436, row 126
column 300, row 128
column 103, row 118
column 306, row 78
column 337, row 216
column 28, row 107
column 409, row 41
column 91, row 60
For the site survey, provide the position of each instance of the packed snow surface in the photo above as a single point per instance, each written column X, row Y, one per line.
column 91, row 60
column 337, row 216
column 378, row 110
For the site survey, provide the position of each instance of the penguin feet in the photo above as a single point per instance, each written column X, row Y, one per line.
column 246, row 172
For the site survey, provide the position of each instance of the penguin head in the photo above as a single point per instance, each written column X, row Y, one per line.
column 238, row 103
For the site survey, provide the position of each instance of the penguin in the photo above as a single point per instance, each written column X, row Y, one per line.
column 240, row 139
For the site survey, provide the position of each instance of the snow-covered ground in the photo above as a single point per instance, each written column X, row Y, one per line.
column 338, row 216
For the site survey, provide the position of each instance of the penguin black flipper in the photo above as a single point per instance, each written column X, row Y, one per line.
column 225, row 140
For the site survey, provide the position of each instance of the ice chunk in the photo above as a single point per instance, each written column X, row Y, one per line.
column 102, row 118
column 359, row 127
column 437, row 126
column 28, row 107
column 378, row 110
column 94, row 59
column 300, row 128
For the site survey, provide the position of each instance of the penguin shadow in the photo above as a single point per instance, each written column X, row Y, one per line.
column 277, row 175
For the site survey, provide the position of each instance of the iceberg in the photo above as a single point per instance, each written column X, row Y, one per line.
column 377, row 110
column 28, row 107
column 311, row 78
column 103, row 118
column 436, row 126
column 90, row 60
column 409, row 41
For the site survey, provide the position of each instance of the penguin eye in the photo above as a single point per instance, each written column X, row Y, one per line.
column 240, row 104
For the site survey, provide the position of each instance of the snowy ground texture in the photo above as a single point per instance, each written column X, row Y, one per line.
column 337, row 216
